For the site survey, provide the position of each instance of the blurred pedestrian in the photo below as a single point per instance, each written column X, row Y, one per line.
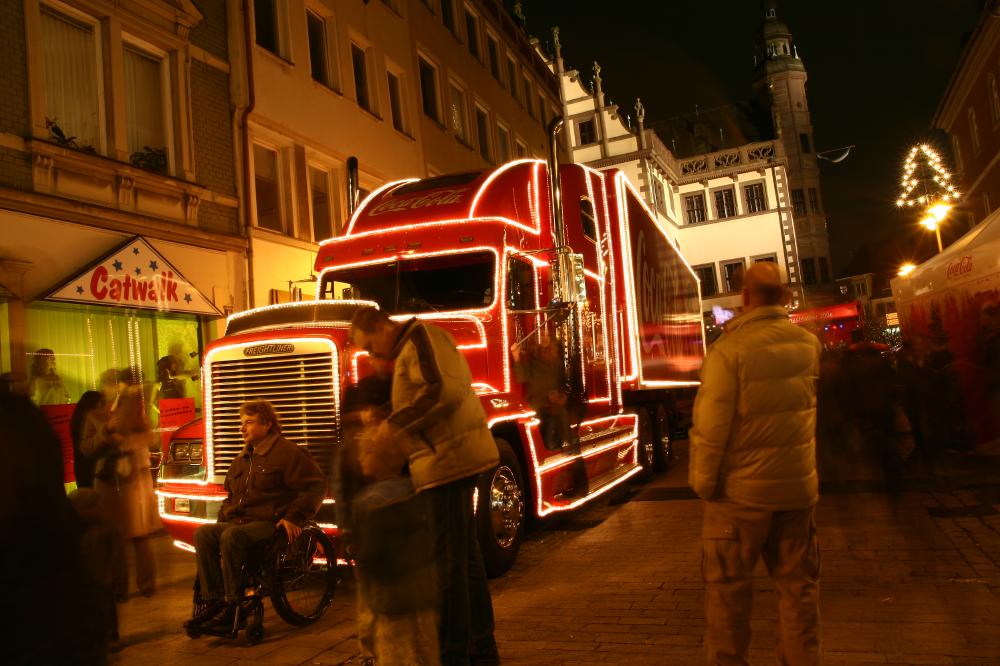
column 120, row 443
column 83, row 465
column 53, row 613
column 103, row 553
column 448, row 443
column 753, row 461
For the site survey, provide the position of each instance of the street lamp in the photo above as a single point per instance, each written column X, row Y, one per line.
column 932, row 222
column 906, row 269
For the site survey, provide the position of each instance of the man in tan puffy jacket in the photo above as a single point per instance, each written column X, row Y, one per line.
column 439, row 422
column 753, row 461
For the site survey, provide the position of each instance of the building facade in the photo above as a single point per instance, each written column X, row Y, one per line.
column 724, row 210
column 412, row 88
column 969, row 111
column 118, row 203
column 780, row 84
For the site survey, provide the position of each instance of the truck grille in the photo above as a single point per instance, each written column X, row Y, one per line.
column 302, row 388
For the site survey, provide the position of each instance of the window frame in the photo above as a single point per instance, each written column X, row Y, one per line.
column 813, row 197
column 453, row 87
column 397, row 107
column 473, row 41
column 798, row 202
column 504, row 146
column 332, row 205
column 771, row 257
column 282, row 39
column 808, row 276
column 994, row 95
column 715, row 279
column 370, row 106
column 280, row 187
column 725, row 278
column 974, row 131
column 512, row 78
column 747, row 199
column 578, row 124
column 484, row 143
column 327, row 65
column 702, row 210
column 719, row 214
column 824, row 269
column 494, row 56
column 426, row 64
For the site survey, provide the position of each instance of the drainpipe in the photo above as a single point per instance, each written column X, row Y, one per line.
column 248, row 150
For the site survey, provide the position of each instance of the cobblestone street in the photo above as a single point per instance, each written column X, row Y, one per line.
column 910, row 580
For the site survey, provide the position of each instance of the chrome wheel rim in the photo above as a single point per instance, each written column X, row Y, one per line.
column 506, row 506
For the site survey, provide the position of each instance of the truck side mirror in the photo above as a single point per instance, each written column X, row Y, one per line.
column 572, row 287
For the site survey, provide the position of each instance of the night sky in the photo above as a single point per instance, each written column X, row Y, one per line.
column 876, row 69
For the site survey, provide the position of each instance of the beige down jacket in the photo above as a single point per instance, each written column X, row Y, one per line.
column 754, row 435
column 433, row 402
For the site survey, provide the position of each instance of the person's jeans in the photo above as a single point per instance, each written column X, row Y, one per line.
column 733, row 537
column 465, row 627
column 221, row 552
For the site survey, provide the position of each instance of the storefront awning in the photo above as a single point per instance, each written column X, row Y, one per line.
column 134, row 275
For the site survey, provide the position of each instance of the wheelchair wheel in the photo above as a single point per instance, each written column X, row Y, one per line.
column 303, row 578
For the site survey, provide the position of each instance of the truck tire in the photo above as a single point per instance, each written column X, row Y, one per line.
column 647, row 443
column 663, row 427
column 500, row 512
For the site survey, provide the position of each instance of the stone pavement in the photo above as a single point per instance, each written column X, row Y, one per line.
column 908, row 580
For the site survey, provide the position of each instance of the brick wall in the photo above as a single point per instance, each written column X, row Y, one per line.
column 213, row 134
column 15, row 169
column 221, row 219
column 210, row 34
column 14, row 70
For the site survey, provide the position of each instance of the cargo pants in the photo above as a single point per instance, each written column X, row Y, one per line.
column 733, row 538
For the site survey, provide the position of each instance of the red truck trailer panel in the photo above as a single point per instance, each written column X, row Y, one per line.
column 664, row 341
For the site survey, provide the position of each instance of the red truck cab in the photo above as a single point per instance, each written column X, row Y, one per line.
column 489, row 257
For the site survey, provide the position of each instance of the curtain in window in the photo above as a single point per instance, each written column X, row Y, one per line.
column 72, row 96
column 143, row 101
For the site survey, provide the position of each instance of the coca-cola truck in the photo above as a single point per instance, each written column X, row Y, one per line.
column 492, row 257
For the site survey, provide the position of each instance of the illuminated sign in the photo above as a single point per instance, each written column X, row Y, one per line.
column 260, row 350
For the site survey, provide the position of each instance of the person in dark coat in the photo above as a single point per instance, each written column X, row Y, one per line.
column 83, row 465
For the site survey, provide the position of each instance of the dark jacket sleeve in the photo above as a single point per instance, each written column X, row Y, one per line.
column 305, row 478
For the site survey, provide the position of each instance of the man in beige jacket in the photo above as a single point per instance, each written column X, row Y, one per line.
column 753, row 461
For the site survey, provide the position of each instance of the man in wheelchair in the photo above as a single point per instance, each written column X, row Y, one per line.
column 271, row 484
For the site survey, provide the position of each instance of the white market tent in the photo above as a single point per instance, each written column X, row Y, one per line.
column 951, row 304
column 973, row 257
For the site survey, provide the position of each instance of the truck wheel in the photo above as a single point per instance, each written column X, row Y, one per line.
column 647, row 443
column 500, row 512
column 664, row 442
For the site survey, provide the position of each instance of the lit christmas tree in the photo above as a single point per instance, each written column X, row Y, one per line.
column 926, row 181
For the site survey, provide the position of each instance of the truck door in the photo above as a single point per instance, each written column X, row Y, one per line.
column 593, row 314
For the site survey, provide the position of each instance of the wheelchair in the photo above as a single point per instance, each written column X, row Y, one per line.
column 299, row 577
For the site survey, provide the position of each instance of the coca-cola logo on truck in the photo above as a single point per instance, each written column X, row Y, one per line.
column 443, row 197
column 652, row 284
column 960, row 267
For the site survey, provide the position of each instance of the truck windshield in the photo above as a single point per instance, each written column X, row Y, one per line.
column 423, row 284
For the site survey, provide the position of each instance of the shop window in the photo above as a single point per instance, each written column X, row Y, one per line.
column 457, row 113
column 709, row 285
column 267, row 193
column 493, row 55
column 694, row 208
column 359, row 61
column 798, row 202
column 90, row 348
column 73, row 90
column 483, row 134
column 754, row 194
column 503, row 143
column 395, row 102
column 586, row 132
column 732, row 275
column 725, row 203
column 808, row 271
column 428, row 88
column 319, row 59
column 824, row 270
column 322, row 211
column 145, row 110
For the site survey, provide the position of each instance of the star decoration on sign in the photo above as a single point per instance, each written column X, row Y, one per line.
column 138, row 271
column 135, row 250
column 187, row 298
column 79, row 289
column 117, row 264
column 153, row 265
